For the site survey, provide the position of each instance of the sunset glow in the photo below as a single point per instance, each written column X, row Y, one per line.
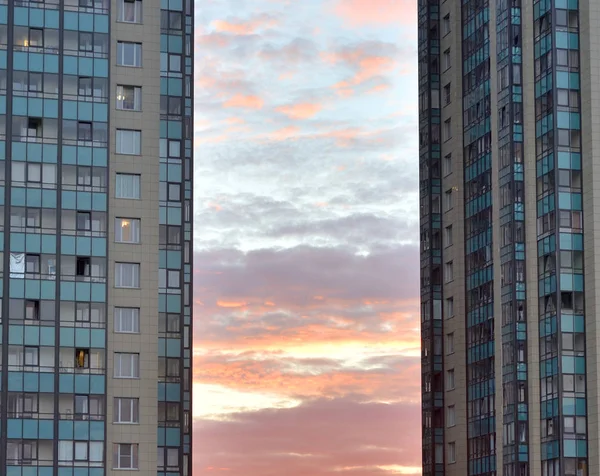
column 306, row 334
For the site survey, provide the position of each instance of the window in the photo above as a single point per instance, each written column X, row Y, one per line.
column 447, row 131
column 170, row 62
column 126, row 410
column 129, row 54
column 129, row 142
column 447, row 165
column 450, row 384
column 128, row 186
column 169, row 278
column 449, row 307
column 169, row 235
column 32, row 310
column 85, row 86
column 447, row 60
column 448, row 271
column 21, row 452
column 168, row 457
column 168, row 367
column 125, row 456
column 447, row 94
column 170, row 20
column 88, row 407
column 127, row 275
column 22, row 405
column 452, row 452
column 127, row 320
column 129, row 98
column 127, row 230
column 450, row 343
column 84, row 131
column 446, row 25
column 448, row 238
column 448, row 202
column 130, row 11
column 127, row 365
column 168, row 411
column 69, row 451
column 451, row 416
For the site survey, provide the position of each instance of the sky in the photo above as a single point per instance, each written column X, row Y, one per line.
column 306, row 338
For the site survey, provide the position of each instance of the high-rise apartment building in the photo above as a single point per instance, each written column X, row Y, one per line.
column 510, row 236
column 96, row 226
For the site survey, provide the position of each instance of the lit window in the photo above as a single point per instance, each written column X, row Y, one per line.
column 127, row 230
column 129, row 98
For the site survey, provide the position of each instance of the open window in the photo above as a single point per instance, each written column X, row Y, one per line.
column 32, row 310
column 82, row 358
column 83, row 266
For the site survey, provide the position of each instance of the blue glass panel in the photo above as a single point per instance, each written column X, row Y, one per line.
column 17, row 242
column 70, row 65
column 51, row 108
column 100, row 112
column 52, row 18
column 69, row 200
column 85, row 111
column 14, row 428
column 68, row 245
column 32, row 288
column 101, row 23
column 31, row 382
column 98, row 246
column 17, row 288
column 21, row 16
column 84, row 245
column 47, row 289
column 100, row 154
column 51, row 63
column 86, row 22
column 33, row 243
column 81, row 430
column 82, row 337
column 101, row 68
column 86, row 66
column 30, row 429
column 99, row 202
column 20, row 61
column 36, row 62
column 98, row 338
column 83, row 292
column 34, row 197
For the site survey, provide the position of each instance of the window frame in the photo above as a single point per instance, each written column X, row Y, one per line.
column 138, row 54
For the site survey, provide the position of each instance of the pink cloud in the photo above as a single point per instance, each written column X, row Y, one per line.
column 244, row 27
column 244, row 102
column 318, row 438
column 376, row 12
column 300, row 111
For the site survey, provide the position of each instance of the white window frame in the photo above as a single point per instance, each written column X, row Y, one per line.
column 450, row 343
column 128, row 142
column 131, row 405
column 451, row 452
column 137, row 11
column 134, row 225
column 128, row 183
column 448, row 271
column 451, row 416
column 124, row 368
column 137, row 54
column 133, row 455
column 122, row 89
column 127, row 320
column 450, row 379
column 122, row 270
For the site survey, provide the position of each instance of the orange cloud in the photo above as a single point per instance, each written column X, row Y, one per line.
column 379, row 88
column 231, row 304
column 235, row 120
column 300, row 111
column 245, row 102
column 376, row 12
column 285, row 133
column 243, row 27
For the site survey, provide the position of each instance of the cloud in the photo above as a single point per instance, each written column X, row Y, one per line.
column 300, row 110
column 376, row 12
column 321, row 437
column 244, row 27
column 244, row 102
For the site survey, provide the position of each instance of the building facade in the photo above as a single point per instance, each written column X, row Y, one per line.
column 96, row 115
column 510, row 236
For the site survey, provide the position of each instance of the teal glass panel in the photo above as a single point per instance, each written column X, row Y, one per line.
column 70, row 65
column 47, row 289
column 14, row 428
column 99, row 202
column 97, row 384
column 98, row 246
column 82, row 383
column 30, row 429
column 101, row 68
column 96, row 431
column 84, row 245
column 20, row 61
column 51, row 63
column 34, row 197
column 33, row 243
column 46, row 382
column 21, row 16
column 32, row 335
column 17, row 242
column 85, row 111
column 47, row 336
column 83, row 292
column 98, row 293
column 68, row 245
column 568, row 406
column 100, row 112
column 69, row 200
column 81, row 430
column 569, row 449
column 48, row 244
column 66, row 383
column 46, row 429
column 173, row 303
column 568, row 364
column 82, row 337
column 101, row 23
column 67, row 291
column 84, row 155
column 17, row 288
column 100, row 156
column 69, row 154
column 67, row 336
column 31, row 382
column 36, row 62
column 52, row 18
column 86, row 66
column 98, row 338
column 15, row 335
column 86, row 22
column 65, row 430
column 71, row 21
column 32, row 289
column 173, row 436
